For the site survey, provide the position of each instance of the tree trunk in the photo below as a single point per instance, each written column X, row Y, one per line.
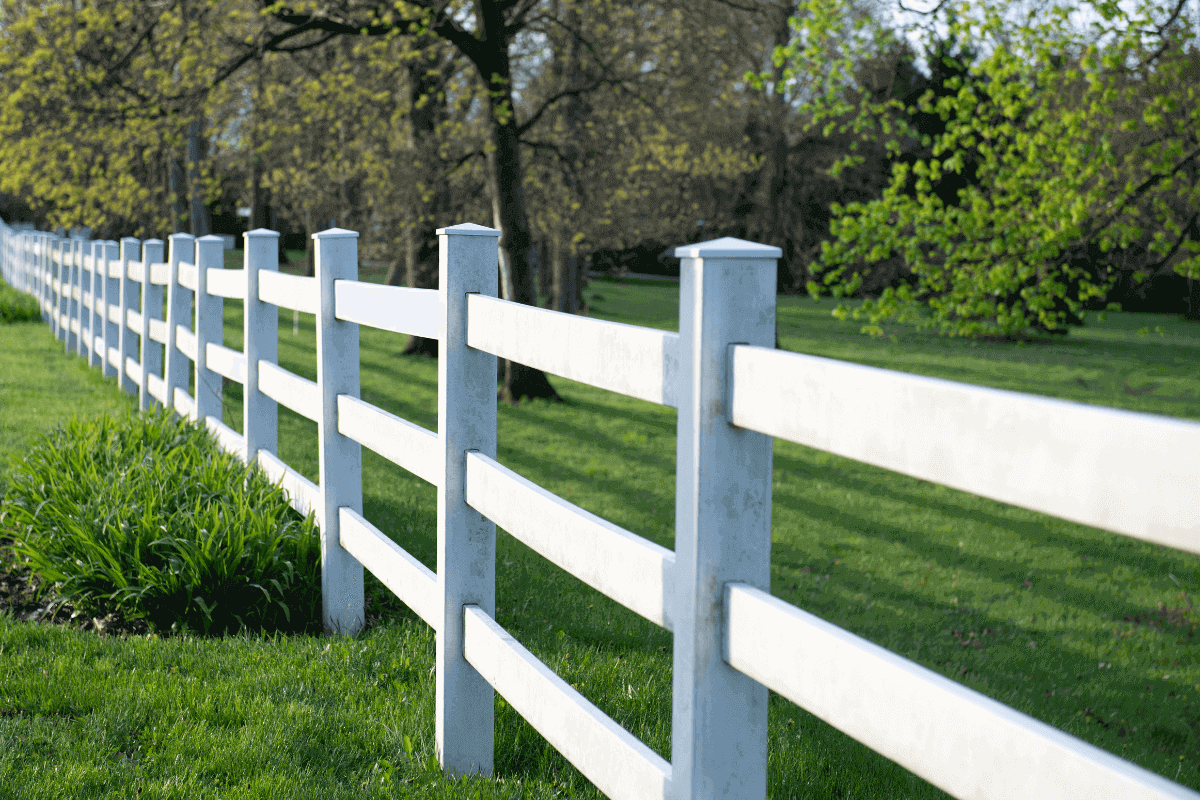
column 779, row 211
column 310, row 246
column 564, row 265
column 175, row 178
column 567, row 283
column 201, row 226
column 258, row 211
column 508, row 202
column 417, row 271
column 427, row 104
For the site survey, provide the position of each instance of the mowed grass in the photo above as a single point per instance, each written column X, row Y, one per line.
column 1080, row 628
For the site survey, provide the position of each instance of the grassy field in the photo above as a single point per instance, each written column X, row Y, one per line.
column 1083, row 629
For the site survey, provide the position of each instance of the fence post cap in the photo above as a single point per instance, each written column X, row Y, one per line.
column 260, row 232
column 129, row 239
column 180, row 235
column 335, row 233
column 212, row 238
column 727, row 247
column 467, row 229
column 153, row 241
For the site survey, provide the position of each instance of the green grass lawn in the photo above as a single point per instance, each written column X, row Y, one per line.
column 1080, row 628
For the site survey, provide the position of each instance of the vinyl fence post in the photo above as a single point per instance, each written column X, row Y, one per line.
column 59, row 275
column 82, row 251
column 210, row 314
column 96, row 301
column 340, row 456
column 466, row 540
column 44, row 296
column 31, row 276
column 179, row 312
column 71, row 259
column 37, row 276
column 152, row 351
column 14, row 264
column 722, row 522
column 112, row 302
column 260, row 414
column 127, row 342
column 47, row 275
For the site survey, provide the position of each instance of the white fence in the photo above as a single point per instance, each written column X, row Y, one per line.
column 1131, row 473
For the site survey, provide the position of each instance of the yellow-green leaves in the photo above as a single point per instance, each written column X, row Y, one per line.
column 1067, row 155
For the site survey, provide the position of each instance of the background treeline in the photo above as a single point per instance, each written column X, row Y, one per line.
column 597, row 133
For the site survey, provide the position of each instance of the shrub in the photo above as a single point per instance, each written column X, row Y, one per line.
column 146, row 516
column 17, row 306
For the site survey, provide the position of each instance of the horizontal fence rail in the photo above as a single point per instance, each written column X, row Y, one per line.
column 1134, row 474
column 398, row 309
column 629, row 360
column 1123, row 471
column 618, row 763
column 961, row 741
column 404, row 443
column 629, row 569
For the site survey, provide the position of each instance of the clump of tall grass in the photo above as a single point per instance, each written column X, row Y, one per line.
column 17, row 306
column 146, row 516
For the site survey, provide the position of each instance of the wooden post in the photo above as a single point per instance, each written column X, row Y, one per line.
column 210, row 314
column 179, row 312
column 152, row 351
column 260, row 414
column 127, row 342
column 466, row 540
column 722, row 522
column 340, row 457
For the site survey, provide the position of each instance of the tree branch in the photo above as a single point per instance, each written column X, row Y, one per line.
column 554, row 98
column 1162, row 29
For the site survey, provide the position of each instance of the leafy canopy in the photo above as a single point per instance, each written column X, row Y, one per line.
column 1077, row 141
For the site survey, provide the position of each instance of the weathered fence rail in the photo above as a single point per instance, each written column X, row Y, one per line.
column 1131, row 473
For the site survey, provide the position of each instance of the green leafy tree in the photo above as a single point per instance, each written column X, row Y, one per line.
column 1082, row 144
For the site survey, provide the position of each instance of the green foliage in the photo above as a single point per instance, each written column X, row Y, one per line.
column 147, row 516
column 16, row 306
column 1076, row 145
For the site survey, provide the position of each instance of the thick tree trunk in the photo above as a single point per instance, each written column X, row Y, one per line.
column 508, row 202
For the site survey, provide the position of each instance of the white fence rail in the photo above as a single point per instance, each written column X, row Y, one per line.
column 1134, row 474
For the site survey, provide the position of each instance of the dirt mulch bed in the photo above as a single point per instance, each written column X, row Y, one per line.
column 27, row 599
